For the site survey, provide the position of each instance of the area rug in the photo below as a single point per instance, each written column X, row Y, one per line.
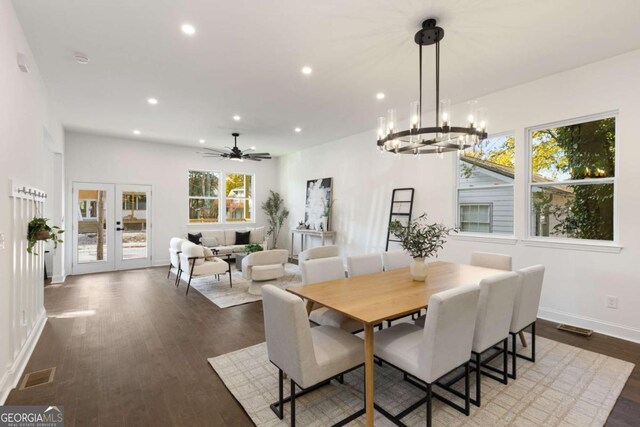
column 566, row 386
column 219, row 292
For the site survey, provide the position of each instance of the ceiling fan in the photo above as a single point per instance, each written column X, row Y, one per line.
column 234, row 153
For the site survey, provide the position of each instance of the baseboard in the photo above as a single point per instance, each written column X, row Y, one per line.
column 160, row 262
column 615, row 330
column 12, row 376
column 58, row 279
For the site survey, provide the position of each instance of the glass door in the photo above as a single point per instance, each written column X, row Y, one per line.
column 111, row 227
column 93, row 228
column 132, row 228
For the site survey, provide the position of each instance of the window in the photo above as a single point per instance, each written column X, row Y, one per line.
column 572, row 178
column 203, row 196
column 485, row 186
column 475, row 218
column 238, row 197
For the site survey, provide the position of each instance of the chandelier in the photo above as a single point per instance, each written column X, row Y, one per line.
column 443, row 136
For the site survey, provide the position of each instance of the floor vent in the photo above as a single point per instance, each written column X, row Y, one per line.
column 33, row 379
column 575, row 330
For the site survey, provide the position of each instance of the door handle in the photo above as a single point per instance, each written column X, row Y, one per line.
column 120, row 229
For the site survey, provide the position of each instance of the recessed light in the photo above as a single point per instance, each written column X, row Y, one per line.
column 298, row 130
column 152, row 101
column 236, row 117
column 188, row 29
column 202, row 141
column 380, row 95
column 306, row 70
column 136, row 132
column 252, row 148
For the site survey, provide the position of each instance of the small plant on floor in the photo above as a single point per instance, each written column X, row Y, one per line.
column 277, row 213
column 39, row 230
column 252, row 247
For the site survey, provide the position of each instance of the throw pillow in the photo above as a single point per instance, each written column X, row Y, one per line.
column 257, row 235
column 210, row 242
column 208, row 253
column 195, row 238
column 242, row 238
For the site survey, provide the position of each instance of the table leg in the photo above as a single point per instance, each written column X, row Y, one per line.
column 368, row 372
column 523, row 340
column 309, row 307
column 292, row 241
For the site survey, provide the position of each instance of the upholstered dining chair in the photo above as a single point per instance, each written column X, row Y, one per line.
column 311, row 357
column 495, row 307
column 525, row 310
column 358, row 265
column 426, row 355
column 196, row 260
column 318, row 252
column 324, row 270
column 394, row 260
column 175, row 247
column 491, row 260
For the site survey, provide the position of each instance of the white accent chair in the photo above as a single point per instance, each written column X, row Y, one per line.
column 318, row 252
column 311, row 357
column 175, row 247
column 324, row 270
column 359, row 265
column 262, row 266
column 197, row 260
column 395, row 260
column 491, row 260
column 495, row 307
column 525, row 310
column 428, row 354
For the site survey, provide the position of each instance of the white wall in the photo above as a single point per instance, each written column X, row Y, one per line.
column 576, row 281
column 91, row 158
column 26, row 156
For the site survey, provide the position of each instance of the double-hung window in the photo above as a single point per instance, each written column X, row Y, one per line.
column 239, row 197
column 216, row 197
column 485, row 186
column 572, row 178
column 204, row 202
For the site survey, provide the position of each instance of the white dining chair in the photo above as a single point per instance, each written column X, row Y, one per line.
column 324, row 270
column 426, row 355
column 491, row 260
column 318, row 252
column 359, row 265
column 196, row 260
column 495, row 307
column 175, row 247
column 395, row 260
column 525, row 310
column 311, row 357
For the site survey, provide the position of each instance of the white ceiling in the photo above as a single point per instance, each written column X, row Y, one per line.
column 246, row 58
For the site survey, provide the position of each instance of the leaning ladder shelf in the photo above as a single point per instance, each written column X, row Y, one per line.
column 400, row 210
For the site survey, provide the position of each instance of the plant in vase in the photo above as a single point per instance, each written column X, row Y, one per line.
column 421, row 240
column 252, row 247
column 38, row 230
column 276, row 213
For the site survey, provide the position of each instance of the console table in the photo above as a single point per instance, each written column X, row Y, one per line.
column 323, row 235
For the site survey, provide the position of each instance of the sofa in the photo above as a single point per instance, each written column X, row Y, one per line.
column 224, row 241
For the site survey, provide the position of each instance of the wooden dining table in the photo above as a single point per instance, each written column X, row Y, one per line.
column 373, row 298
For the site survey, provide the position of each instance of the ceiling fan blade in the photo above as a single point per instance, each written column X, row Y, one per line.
column 253, row 158
column 216, row 150
column 259, row 154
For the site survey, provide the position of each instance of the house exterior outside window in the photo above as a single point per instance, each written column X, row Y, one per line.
column 210, row 202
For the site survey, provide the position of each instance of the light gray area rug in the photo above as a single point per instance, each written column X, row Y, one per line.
column 219, row 292
column 566, row 386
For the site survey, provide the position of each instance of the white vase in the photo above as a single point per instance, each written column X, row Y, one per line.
column 418, row 269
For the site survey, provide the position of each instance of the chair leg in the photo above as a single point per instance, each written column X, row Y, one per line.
column 428, row 405
column 467, row 393
column 169, row 273
column 188, row 285
column 513, row 356
column 478, row 380
column 280, row 394
column 293, row 404
column 505, row 362
column 533, row 342
column 178, row 275
column 230, row 280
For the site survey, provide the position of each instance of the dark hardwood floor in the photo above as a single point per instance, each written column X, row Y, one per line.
column 130, row 349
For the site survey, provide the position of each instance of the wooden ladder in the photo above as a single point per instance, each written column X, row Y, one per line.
column 400, row 210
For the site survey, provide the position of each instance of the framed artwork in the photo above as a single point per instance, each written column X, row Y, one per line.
column 317, row 212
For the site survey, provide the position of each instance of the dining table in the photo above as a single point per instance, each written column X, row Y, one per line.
column 373, row 298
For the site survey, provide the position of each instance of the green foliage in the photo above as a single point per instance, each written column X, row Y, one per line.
column 252, row 247
column 420, row 239
column 276, row 213
column 40, row 224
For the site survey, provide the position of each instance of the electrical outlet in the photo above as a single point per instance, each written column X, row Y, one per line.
column 612, row 302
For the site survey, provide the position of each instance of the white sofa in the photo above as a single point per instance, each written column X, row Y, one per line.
column 224, row 241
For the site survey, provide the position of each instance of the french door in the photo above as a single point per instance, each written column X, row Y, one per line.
column 111, row 227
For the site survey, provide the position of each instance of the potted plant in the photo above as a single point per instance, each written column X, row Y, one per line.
column 252, row 247
column 421, row 240
column 277, row 213
column 38, row 230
